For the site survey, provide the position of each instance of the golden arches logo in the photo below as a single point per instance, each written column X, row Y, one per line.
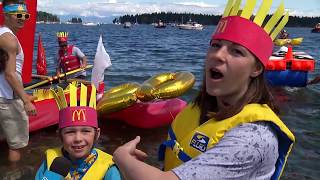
column 80, row 114
column 222, row 26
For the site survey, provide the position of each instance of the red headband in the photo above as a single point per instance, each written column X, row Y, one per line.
column 246, row 33
column 78, row 116
column 62, row 39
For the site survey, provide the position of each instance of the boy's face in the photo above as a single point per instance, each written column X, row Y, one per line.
column 79, row 140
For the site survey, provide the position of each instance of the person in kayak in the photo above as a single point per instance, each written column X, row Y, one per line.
column 284, row 34
column 69, row 57
column 79, row 132
column 231, row 130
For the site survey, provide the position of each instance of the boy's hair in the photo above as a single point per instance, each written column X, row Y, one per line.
column 3, row 59
column 7, row 2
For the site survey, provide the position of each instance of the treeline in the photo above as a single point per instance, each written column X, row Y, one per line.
column 75, row 20
column 47, row 17
column 205, row 19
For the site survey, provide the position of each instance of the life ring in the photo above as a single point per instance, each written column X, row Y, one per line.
column 118, row 98
column 165, row 86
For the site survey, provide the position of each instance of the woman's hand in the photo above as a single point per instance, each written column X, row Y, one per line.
column 128, row 151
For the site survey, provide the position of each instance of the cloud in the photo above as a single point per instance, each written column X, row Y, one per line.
column 309, row 13
column 197, row 4
column 113, row 7
column 109, row 8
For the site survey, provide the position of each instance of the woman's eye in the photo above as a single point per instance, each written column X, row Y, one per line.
column 237, row 52
column 215, row 45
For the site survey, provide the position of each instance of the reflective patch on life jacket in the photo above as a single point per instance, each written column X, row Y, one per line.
column 199, row 142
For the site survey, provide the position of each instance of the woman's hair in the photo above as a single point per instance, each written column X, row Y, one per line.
column 3, row 59
column 258, row 92
column 7, row 2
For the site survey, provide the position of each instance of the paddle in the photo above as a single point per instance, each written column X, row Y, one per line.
column 56, row 77
column 37, row 76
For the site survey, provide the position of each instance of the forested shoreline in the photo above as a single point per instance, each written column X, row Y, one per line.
column 205, row 19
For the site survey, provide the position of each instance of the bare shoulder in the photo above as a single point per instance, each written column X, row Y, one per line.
column 8, row 42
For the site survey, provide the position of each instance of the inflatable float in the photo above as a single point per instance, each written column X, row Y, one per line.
column 150, row 105
column 288, row 68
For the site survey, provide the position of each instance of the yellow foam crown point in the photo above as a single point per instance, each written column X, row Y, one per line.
column 275, row 24
column 60, row 98
column 62, row 34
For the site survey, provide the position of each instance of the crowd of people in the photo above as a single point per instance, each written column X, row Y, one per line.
column 230, row 131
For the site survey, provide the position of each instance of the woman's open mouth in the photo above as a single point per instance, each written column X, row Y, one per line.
column 215, row 74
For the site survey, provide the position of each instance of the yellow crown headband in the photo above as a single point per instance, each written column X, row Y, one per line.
column 272, row 27
column 253, row 35
column 62, row 34
column 59, row 96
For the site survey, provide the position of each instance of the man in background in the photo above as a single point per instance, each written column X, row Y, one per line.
column 69, row 57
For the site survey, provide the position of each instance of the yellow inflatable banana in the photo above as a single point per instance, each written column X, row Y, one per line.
column 283, row 42
column 118, row 98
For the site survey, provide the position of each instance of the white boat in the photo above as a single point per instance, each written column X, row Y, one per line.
column 127, row 24
column 160, row 24
column 190, row 25
column 89, row 24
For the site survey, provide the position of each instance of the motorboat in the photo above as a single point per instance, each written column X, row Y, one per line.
column 90, row 24
column 127, row 24
column 190, row 25
column 160, row 24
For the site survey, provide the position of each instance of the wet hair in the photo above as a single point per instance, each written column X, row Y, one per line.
column 7, row 2
column 258, row 92
column 4, row 56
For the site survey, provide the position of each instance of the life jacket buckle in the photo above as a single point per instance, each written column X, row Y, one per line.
column 177, row 148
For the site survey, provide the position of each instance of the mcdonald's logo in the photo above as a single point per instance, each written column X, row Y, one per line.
column 222, row 26
column 80, row 114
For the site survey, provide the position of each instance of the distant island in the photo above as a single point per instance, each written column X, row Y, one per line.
column 205, row 19
column 44, row 17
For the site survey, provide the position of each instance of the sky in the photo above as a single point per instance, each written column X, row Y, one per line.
column 107, row 8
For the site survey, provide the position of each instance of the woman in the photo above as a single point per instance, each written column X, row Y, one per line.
column 231, row 130
column 78, row 130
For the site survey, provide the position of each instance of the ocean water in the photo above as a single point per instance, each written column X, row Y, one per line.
column 142, row 51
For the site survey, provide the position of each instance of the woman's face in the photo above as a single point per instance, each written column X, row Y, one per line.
column 229, row 68
column 79, row 140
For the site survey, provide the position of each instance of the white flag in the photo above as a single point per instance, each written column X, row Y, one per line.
column 101, row 62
